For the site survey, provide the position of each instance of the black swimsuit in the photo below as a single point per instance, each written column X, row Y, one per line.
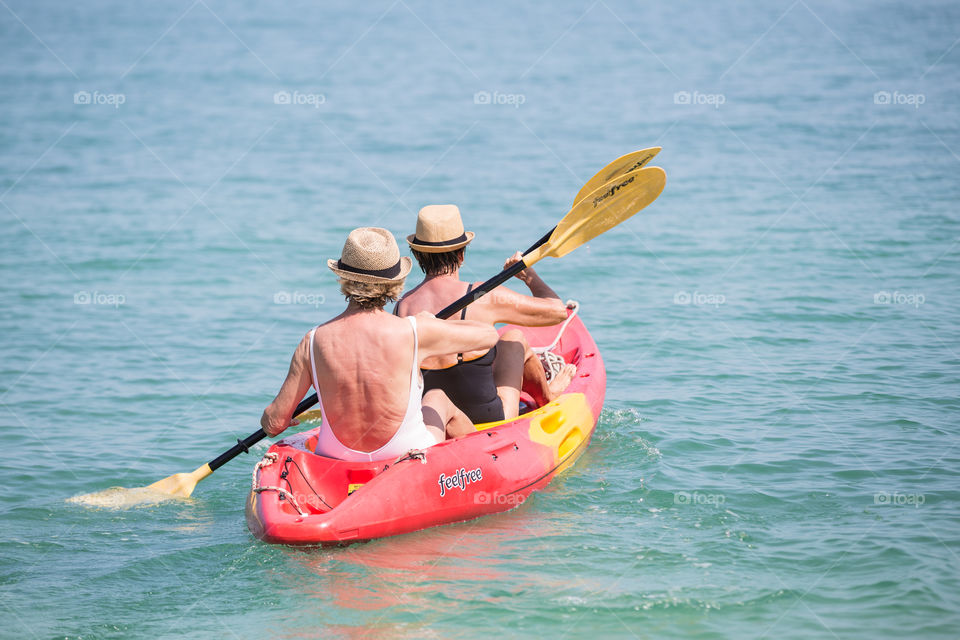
column 469, row 385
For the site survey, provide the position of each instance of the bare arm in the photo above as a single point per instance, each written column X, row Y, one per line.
column 532, row 279
column 279, row 413
column 527, row 311
column 543, row 308
column 443, row 337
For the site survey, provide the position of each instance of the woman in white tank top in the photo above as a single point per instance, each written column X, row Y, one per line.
column 412, row 434
column 356, row 350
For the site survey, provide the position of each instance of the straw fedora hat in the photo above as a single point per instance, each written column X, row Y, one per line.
column 439, row 229
column 371, row 254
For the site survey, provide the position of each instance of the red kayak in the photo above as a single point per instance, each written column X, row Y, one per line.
column 299, row 497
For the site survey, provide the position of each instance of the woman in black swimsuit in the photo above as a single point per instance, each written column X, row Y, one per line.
column 469, row 384
column 486, row 387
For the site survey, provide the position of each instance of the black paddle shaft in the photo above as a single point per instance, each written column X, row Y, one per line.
column 243, row 446
column 492, row 283
column 474, row 295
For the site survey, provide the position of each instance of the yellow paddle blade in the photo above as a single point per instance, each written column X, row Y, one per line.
column 181, row 484
column 310, row 416
column 601, row 210
column 620, row 166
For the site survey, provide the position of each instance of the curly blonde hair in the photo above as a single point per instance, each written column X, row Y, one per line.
column 371, row 295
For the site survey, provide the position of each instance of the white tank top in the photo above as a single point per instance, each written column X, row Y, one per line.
column 412, row 434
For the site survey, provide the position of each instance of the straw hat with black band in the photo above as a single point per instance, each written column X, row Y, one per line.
column 439, row 229
column 371, row 254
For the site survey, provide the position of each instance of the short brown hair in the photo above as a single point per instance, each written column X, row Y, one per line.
column 438, row 264
column 370, row 295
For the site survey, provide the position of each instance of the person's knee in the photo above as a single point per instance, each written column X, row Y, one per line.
column 432, row 417
column 514, row 335
column 438, row 401
column 436, row 395
column 515, row 340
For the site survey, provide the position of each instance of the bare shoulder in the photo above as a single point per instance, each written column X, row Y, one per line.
column 429, row 327
column 305, row 340
column 303, row 347
column 403, row 304
column 301, row 355
column 408, row 300
column 383, row 336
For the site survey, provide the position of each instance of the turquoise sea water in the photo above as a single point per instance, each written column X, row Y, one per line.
column 778, row 456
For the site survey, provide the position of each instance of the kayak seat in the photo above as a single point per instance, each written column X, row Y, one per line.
column 527, row 403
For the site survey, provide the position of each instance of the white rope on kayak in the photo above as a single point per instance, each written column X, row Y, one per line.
column 413, row 454
column 553, row 363
column 268, row 459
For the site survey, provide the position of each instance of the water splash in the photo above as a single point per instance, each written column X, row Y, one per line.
column 122, row 498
